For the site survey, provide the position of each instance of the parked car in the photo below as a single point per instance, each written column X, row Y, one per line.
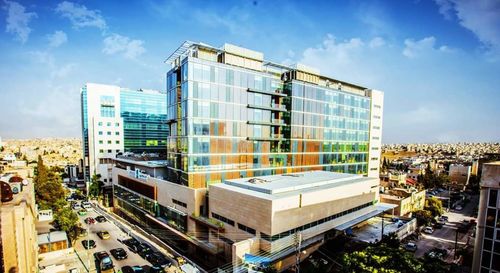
column 82, row 212
column 157, row 259
column 459, row 208
column 104, row 235
column 133, row 269
column 119, row 253
column 76, row 206
column 89, row 221
column 88, row 244
column 443, row 218
column 410, row 247
column 438, row 225
column 145, row 251
column 437, row 253
column 428, row 230
column 104, row 261
column 86, row 205
column 100, row 219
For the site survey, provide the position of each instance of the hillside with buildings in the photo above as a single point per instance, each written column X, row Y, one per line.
column 55, row 151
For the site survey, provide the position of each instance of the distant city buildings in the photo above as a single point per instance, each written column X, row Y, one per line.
column 487, row 244
column 118, row 120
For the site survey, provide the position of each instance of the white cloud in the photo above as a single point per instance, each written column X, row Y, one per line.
column 377, row 42
column 482, row 17
column 118, row 44
column 80, row 16
column 49, row 62
column 445, row 8
column 17, row 20
column 57, row 38
column 414, row 48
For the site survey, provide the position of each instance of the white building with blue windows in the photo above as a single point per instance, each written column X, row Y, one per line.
column 117, row 120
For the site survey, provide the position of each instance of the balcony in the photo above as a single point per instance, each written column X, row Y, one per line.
column 275, row 122
column 274, row 107
column 277, row 92
column 274, row 137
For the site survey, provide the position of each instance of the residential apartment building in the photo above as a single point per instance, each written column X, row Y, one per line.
column 407, row 200
column 459, row 175
column 18, row 234
column 233, row 114
column 118, row 120
column 487, row 244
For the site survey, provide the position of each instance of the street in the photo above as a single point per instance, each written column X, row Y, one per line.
column 87, row 256
column 444, row 238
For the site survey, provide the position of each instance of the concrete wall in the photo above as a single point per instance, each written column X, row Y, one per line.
column 376, row 118
column 490, row 179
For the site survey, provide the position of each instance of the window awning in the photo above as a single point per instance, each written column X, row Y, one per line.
column 376, row 210
column 256, row 260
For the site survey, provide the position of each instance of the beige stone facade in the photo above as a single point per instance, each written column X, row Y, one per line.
column 272, row 218
column 19, row 237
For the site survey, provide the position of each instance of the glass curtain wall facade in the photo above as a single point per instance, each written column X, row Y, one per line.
column 85, row 131
column 144, row 115
column 229, row 122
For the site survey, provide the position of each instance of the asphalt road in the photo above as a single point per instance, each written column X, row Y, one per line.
column 87, row 256
column 444, row 238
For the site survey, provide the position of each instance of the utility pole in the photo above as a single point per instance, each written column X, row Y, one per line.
column 382, row 237
column 298, row 243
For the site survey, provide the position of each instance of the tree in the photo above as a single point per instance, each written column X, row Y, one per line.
column 382, row 259
column 424, row 217
column 95, row 187
column 48, row 188
column 434, row 206
column 67, row 220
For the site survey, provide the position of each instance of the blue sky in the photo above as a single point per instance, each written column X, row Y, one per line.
column 438, row 62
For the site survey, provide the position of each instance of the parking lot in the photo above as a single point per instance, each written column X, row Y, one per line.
column 115, row 241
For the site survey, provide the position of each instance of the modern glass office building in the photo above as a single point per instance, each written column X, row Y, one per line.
column 232, row 114
column 115, row 120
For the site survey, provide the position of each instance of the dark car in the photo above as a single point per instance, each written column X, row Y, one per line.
column 130, row 242
column 145, row 251
column 133, row 269
column 119, row 253
column 438, row 225
column 437, row 253
column 155, row 269
column 88, row 244
column 100, row 219
column 104, row 261
column 157, row 259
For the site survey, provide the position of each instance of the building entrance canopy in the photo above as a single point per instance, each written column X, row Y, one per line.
column 376, row 210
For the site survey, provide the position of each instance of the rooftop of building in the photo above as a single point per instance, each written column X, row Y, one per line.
column 282, row 185
column 51, row 237
column 25, row 196
column 187, row 46
column 143, row 90
column 144, row 160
